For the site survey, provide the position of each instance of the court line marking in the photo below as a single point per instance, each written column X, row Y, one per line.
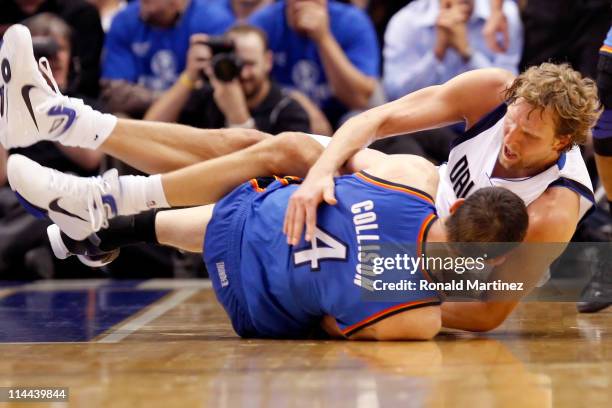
column 175, row 284
column 153, row 313
column 75, row 284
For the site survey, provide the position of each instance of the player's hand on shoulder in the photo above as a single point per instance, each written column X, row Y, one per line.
column 302, row 207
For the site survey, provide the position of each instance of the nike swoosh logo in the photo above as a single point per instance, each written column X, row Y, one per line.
column 67, row 114
column 25, row 93
column 54, row 206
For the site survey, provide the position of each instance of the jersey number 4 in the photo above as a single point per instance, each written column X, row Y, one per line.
column 324, row 246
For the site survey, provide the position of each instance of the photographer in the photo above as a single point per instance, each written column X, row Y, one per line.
column 239, row 92
column 146, row 49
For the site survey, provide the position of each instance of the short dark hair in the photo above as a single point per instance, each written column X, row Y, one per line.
column 490, row 214
column 250, row 29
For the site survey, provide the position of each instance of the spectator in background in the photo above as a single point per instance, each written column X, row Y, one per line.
column 108, row 9
column 86, row 44
column 381, row 11
column 23, row 238
column 429, row 42
column 495, row 30
column 250, row 100
column 327, row 50
column 146, row 49
column 242, row 9
column 571, row 31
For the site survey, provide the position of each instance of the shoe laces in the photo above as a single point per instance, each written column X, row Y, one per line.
column 92, row 188
column 58, row 99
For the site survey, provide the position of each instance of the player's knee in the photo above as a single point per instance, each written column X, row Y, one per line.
column 491, row 322
column 295, row 153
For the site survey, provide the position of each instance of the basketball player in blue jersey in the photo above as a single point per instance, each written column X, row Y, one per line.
column 272, row 289
column 526, row 124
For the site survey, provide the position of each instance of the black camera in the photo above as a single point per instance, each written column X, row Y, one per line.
column 44, row 47
column 226, row 64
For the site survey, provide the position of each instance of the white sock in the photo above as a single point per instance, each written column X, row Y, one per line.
column 141, row 193
column 91, row 127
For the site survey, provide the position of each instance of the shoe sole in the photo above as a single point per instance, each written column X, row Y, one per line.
column 592, row 307
column 61, row 252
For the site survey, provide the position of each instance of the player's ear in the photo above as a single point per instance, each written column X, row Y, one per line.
column 561, row 142
column 456, row 205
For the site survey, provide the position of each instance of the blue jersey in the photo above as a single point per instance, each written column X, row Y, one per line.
column 154, row 57
column 226, row 4
column 271, row 289
column 297, row 63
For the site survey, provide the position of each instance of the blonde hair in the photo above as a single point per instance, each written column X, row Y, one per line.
column 571, row 97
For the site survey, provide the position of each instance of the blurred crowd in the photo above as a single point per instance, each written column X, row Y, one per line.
column 292, row 65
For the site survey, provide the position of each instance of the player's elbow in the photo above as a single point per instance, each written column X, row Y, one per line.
column 424, row 325
column 487, row 325
column 430, row 329
column 491, row 320
column 429, row 325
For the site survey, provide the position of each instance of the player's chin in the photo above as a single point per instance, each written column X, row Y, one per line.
column 510, row 163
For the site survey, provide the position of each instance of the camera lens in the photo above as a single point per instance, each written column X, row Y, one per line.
column 226, row 67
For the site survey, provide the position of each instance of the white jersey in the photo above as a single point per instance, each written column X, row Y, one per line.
column 474, row 155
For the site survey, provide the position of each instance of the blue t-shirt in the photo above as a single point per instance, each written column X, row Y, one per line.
column 296, row 60
column 155, row 57
column 226, row 4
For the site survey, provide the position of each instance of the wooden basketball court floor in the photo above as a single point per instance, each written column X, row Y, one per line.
column 163, row 343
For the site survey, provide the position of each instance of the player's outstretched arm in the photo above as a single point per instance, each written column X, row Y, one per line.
column 551, row 227
column 468, row 97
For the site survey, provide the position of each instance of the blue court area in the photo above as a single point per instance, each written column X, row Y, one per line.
column 69, row 311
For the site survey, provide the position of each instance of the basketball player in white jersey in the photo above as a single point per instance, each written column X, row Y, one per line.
column 531, row 144
column 528, row 147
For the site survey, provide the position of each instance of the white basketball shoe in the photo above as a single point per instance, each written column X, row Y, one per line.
column 31, row 111
column 80, row 206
